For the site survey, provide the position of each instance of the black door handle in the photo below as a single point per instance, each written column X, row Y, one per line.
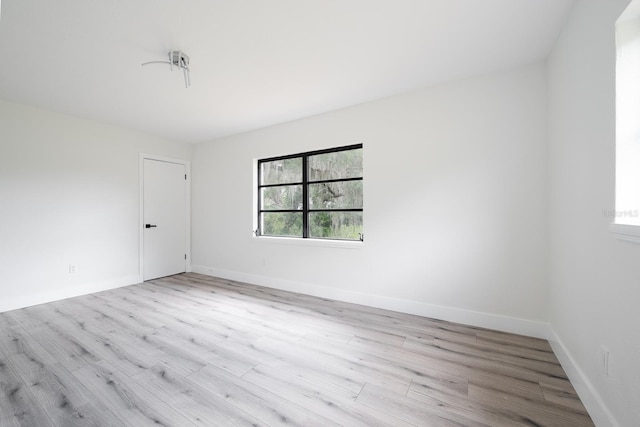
column 150, row 226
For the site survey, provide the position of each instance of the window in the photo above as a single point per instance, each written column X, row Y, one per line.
column 627, row 209
column 626, row 215
column 312, row 195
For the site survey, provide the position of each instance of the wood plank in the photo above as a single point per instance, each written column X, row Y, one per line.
column 23, row 349
column 465, row 360
column 63, row 347
column 325, row 376
column 513, row 339
column 334, row 403
column 346, row 366
column 131, row 403
column 548, row 368
column 439, row 382
column 466, row 408
column 526, row 389
column 261, row 403
column 18, row 406
column 513, row 349
column 566, row 397
column 539, row 413
column 192, row 401
column 66, row 400
column 410, row 410
column 26, row 317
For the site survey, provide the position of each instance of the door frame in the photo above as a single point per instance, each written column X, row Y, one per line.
column 187, row 168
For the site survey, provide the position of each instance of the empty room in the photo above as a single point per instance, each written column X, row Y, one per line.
column 319, row 213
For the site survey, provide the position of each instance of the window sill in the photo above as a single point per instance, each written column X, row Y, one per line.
column 626, row 232
column 343, row 244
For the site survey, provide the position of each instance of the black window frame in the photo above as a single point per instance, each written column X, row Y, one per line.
column 305, row 183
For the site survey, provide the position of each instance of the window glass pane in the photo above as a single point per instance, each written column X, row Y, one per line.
column 282, row 224
column 336, row 195
column 280, row 198
column 282, row 171
column 336, row 165
column 335, row 225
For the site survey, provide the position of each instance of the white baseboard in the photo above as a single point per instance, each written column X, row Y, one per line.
column 14, row 303
column 474, row 318
column 600, row 414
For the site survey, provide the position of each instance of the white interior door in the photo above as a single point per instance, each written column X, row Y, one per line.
column 164, row 219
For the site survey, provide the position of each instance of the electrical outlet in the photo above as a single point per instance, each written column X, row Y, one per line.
column 604, row 360
column 72, row 268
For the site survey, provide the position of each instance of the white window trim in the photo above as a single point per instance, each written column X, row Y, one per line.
column 626, row 232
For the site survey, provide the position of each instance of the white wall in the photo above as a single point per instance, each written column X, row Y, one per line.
column 68, row 194
column 595, row 279
column 455, row 204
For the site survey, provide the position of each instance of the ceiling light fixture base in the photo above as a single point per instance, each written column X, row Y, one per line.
column 179, row 60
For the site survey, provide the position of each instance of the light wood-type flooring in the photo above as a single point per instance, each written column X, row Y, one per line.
column 194, row 350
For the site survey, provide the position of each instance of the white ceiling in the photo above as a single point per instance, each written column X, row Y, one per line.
column 254, row 63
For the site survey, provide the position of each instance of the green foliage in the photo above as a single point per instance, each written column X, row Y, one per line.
column 321, row 224
column 335, row 225
column 282, row 224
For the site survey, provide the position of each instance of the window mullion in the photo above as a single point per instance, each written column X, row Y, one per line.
column 329, row 181
column 305, row 198
column 286, row 184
